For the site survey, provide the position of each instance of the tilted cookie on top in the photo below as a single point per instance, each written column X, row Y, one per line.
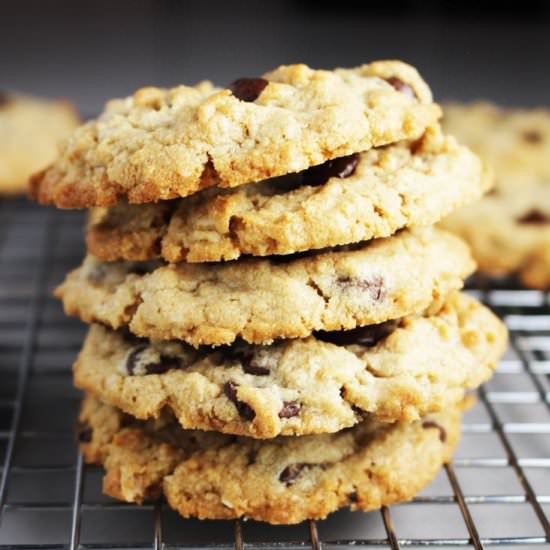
column 165, row 143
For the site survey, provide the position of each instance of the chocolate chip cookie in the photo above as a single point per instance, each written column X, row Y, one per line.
column 320, row 384
column 345, row 200
column 260, row 300
column 167, row 143
column 282, row 481
column 508, row 230
column 30, row 131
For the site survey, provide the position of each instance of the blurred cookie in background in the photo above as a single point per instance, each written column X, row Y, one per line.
column 509, row 229
column 30, row 130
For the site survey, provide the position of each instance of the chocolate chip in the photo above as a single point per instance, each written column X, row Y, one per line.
column 291, row 472
column 367, row 336
column 165, row 364
column 290, row 409
column 246, row 358
column 245, row 410
column 353, row 498
column 534, row 217
column 342, row 167
column 248, row 89
column 532, row 136
column 401, row 86
column 240, row 355
column 132, row 359
column 374, row 286
column 83, row 432
column 427, row 424
column 4, row 99
column 256, row 370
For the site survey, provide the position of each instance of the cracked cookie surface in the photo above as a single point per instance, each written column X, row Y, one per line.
column 282, row 481
column 355, row 198
column 165, row 143
column 30, row 131
column 509, row 229
column 260, row 300
column 321, row 384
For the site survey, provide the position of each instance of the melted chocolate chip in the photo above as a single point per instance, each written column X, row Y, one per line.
column 427, row 424
column 84, row 433
column 246, row 358
column 165, row 364
column 534, row 217
column 367, row 336
column 353, row 498
column 532, row 136
column 256, row 370
column 248, row 89
column 401, row 86
column 245, row 411
column 290, row 409
column 342, row 167
column 291, row 472
column 132, row 359
column 374, row 286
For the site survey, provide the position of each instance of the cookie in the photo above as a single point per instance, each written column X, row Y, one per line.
column 515, row 142
column 30, row 130
column 321, row 384
column 260, row 300
column 508, row 230
column 282, row 481
column 350, row 199
column 513, row 236
column 169, row 143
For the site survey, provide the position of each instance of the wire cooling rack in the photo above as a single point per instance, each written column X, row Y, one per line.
column 495, row 492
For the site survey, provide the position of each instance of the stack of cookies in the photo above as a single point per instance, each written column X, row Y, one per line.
column 277, row 330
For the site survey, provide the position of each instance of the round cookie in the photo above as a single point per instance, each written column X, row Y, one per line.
column 509, row 233
column 282, row 481
column 508, row 230
column 321, row 384
column 260, row 300
column 30, row 130
column 515, row 142
column 167, row 143
column 346, row 200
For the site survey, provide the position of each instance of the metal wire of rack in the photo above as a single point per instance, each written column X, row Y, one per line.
column 495, row 492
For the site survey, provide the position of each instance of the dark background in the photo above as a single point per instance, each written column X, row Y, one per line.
column 90, row 51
